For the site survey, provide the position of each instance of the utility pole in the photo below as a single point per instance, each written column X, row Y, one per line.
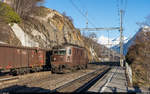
column 121, row 40
column 108, row 47
column 110, row 29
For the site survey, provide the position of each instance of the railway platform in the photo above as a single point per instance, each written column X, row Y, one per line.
column 114, row 81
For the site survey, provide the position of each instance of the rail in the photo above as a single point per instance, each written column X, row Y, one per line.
column 8, row 79
column 83, row 83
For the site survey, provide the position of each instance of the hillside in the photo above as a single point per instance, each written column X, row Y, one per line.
column 138, row 57
column 44, row 28
column 102, row 51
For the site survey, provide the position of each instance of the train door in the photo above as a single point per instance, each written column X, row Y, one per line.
column 48, row 59
column 68, row 55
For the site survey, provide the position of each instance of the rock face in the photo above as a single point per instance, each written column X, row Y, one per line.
column 45, row 29
column 7, row 36
column 138, row 57
column 48, row 30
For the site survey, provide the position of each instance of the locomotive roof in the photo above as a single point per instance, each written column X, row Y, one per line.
column 23, row 47
column 67, row 45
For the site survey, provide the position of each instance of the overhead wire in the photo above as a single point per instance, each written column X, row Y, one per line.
column 83, row 6
column 84, row 15
column 86, row 10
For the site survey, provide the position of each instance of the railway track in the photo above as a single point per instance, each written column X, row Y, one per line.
column 50, row 83
column 83, row 83
column 8, row 79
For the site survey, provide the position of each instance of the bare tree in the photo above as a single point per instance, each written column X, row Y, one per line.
column 24, row 7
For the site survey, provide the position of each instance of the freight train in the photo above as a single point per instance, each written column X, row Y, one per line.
column 21, row 60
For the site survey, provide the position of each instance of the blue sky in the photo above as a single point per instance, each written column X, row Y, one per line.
column 104, row 13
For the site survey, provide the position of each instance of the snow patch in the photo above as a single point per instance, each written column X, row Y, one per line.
column 146, row 29
column 110, row 42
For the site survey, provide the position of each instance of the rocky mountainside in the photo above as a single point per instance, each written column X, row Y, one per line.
column 138, row 57
column 42, row 30
column 126, row 44
column 45, row 29
column 112, row 42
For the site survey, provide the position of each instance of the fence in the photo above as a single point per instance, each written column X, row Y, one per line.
column 129, row 72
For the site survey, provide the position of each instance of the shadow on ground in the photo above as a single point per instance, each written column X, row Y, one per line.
column 24, row 89
column 136, row 90
column 106, row 63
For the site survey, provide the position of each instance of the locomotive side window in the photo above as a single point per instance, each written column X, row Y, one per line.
column 70, row 51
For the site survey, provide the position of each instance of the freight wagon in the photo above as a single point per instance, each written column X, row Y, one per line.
column 68, row 58
column 20, row 60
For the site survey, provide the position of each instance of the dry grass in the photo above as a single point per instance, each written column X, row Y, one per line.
column 139, row 59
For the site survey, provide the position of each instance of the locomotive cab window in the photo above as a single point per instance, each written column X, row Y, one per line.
column 62, row 52
column 55, row 52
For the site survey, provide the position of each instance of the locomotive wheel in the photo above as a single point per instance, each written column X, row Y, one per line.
column 34, row 69
column 53, row 70
column 31, row 70
column 80, row 67
column 86, row 66
column 27, row 70
column 14, row 72
column 66, row 70
column 21, row 71
column 73, row 69
column 38, row 69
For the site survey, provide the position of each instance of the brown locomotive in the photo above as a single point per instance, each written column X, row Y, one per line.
column 20, row 60
column 68, row 58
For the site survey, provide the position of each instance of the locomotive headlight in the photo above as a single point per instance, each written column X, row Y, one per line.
column 54, row 59
column 68, row 58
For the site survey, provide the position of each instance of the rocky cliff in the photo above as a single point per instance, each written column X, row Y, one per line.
column 45, row 29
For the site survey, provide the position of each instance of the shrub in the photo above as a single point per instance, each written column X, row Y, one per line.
column 7, row 13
